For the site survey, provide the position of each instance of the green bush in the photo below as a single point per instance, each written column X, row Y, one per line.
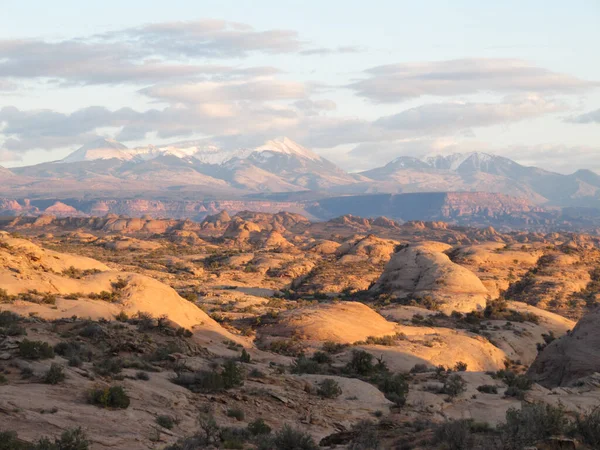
column 395, row 388
column 233, row 375
column 361, row 363
column 304, row 365
column 588, row 427
column 333, row 348
column 365, row 436
column 258, row 427
column 454, row 385
column 141, row 375
column 289, row 438
column 460, row 366
column 9, row 440
column 329, row 388
column 55, row 374
column 74, row 439
column 455, row 434
column 108, row 366
column 109, row 397
column 165, row 421
column 245, row 356
column 488, row 389
column 35, row 349
column 236, row 413
column 530, row 424
column 321, row 358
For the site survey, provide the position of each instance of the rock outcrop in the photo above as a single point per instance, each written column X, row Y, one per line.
column 572, row 357
column 423, row 270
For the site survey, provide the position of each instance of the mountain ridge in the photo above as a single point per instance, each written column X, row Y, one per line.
column 282, row 165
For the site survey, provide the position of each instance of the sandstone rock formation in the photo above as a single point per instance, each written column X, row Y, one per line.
column 574, row 356
column 423, row 270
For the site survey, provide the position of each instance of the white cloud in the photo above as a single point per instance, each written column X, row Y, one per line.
column 589, row 117
column 400, row 82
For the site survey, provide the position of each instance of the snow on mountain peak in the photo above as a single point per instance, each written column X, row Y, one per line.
column 99, row 149
column 288, row 147
column 201, row 150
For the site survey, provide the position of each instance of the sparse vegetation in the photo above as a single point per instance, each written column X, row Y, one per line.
column 113, row 397
column 35, row 349
column 329, row 388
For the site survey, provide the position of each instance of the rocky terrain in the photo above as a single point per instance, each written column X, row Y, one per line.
column 270, row 331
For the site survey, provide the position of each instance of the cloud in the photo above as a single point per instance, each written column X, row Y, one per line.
column 209, row 38
column 590, row 117
column 249, row 90
column 324, row 51
column 453, row 116
column 81, row 62
column 256, row 110
column 7, row 86
column 148, row 54
column 400, row 82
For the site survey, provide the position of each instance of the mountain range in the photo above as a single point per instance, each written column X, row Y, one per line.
column 280, row 167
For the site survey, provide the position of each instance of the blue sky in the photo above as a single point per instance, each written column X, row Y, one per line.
column 359, row 82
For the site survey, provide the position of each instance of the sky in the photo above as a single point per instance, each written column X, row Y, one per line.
column 360, row 83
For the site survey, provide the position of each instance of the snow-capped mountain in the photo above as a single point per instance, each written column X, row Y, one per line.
column 200, row 150
column 277, row 165
column 283, row 166
column 100, row 149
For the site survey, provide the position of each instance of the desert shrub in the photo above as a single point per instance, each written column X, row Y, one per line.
column 74, row 351
column 91, row 330
column 454, row 385
column 530, row 424
column 289, row 438
column 513, row 380
column 395, row 388
column 55, row 374
column 144, row 321
column 119, row 284
column 211, row 381
column 255, row 373
column 365, row 436
column 329, row 388
column 108, row 366
column 304, row 365
column 460, row 366
column 109, row 397
column 333, row 348
column 321, row 358
column 9, row 440
column 141, row 375
column 361, row 363
column 587, row 426
column 8, row 318
column 234, row 437
column 258, row 427
column 122, row 317
column 233, row 375
column 200, row 381
column 488, row 389
column 74, row 439
column 236, row 413
column 245, row 356
column 26, row 373
column 35, row 349
column 288, row 347
column 419, row 368
column 165, row 421
column 3, row 379
column 455, row 434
